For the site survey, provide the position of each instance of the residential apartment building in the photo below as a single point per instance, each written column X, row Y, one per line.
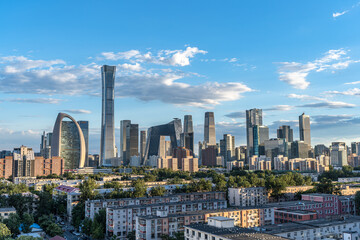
column 120, row 221
column 246, row 197
column 287, row 215
column 5, row 212
column 93, row 206
column 259, row 163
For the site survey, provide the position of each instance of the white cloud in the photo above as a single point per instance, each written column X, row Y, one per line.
column 163, row 57
column 56, row 77
column 295, row 73
column 321, row 102
column 131, row 67
column 338, row 14
column 350, row 92
column 35, row 100
column 352, row 83
column 77, row 111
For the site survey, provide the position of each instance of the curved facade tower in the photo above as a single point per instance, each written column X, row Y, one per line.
column 68, row 142
column 107, row 146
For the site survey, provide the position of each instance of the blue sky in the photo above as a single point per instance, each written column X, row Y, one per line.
column 180, row 57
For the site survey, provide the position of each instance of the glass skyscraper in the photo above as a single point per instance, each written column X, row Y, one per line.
column 107, row 147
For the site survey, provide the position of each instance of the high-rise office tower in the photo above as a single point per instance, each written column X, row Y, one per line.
column 23, row 163
column 107, row 147
column 172, row 129
column 209, row 129
column 129, row 140
column 142, row 143
column 299, row 149
column 187, row 137
column 227, row 147
column 338, row 154
column 84, row 125
column 253, row 117
column 304, row 128
column 259, row 135
column 68, row 142
column 122, row 150
column 285, row 132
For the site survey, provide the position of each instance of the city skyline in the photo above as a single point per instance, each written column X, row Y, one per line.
column 313, row 68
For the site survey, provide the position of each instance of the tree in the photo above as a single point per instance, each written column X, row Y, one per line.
column 87, row 189
column 157, row 191
column 131, row 235
column 357, row 202
column 139, row 188
column 78, row 214
column 87, row 226
column 27, row 221
column 13, row 223
column 326, row 186
column 4, row 231
column 54, row 230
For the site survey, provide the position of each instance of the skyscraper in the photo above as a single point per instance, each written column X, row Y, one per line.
column 172, row 129
column 338, row 154
column 304, row 128
column 142, row 143
column 122, row 150
column 285, row 132
column 253, row 117
column 107, row 147
column 68, row 142
column 84, row 125
column 227, row 147
column 209, row 129
column 187, row 137
column 129, row 140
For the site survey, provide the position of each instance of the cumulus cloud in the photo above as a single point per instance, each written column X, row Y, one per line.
column 321, row 102
column 35, row 100
column 295, row 73
column 166, row 85
column 77, row 111
column 167, row 88
column 163, row 57
column 330, row 119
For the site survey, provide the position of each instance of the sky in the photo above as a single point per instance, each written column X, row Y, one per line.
column 175, row 58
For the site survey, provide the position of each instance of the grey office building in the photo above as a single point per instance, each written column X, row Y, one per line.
column 187, row 137
column 338, row 154
column 253, row 117
column 209, row 129
column 172, row 129
column 304, row 129
column 286, row 133
column 129, row 140
column 107, row 147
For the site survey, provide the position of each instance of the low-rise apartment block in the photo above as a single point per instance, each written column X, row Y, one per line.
column 246, row 197
column 120, row 221
column 5, row 212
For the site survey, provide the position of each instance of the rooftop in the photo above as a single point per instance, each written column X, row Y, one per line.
column 298, row 226
column 8, row 209
column 235, row 233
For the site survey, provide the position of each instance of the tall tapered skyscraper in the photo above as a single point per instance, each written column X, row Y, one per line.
column 253, row 117
column 209, row 129
column 304, row 128
column 107, row 147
